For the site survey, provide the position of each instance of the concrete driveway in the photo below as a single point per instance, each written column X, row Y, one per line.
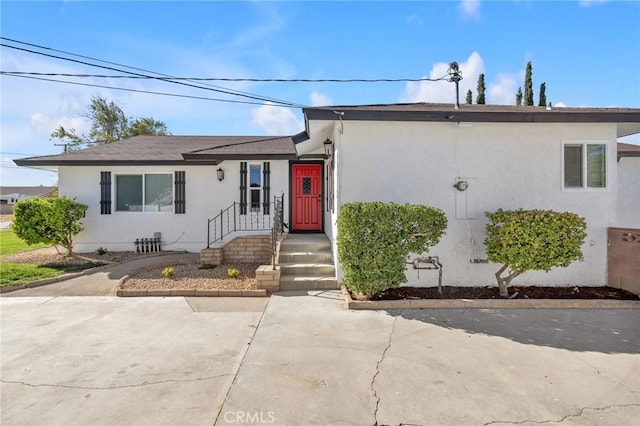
column 307, row 360
column 121, row 361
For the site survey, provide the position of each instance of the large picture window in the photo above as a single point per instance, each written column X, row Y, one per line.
column 585, row 166
column 148, row 193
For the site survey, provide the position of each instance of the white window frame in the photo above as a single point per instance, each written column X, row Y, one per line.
column 114, row 195
column 607, row 164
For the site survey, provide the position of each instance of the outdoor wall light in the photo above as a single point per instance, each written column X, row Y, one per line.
column 220, row 174
column 328, row 148
column 461, row 185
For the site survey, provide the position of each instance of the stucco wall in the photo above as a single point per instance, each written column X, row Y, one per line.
column 629, row 192
column 205, row 197
column 507, row 165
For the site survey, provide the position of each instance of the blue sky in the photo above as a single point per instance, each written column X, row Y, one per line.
column 587, row 53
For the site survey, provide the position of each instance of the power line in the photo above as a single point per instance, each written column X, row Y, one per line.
column 120, row 65
column 258, row 80
column 152, row 92
column 166, row 79
column 17, row 153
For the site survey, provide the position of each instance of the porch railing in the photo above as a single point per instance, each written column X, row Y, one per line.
column 244, row 217
column 278, row 227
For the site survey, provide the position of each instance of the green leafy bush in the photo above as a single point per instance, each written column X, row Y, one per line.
column 54, row 221
column 526, row 240
column 374, row 239
column 233, row 273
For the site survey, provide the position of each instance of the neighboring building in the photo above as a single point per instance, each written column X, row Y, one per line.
column 509, row 157
column 9, row 195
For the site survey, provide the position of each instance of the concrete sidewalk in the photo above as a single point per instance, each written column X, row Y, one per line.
column 102, row 281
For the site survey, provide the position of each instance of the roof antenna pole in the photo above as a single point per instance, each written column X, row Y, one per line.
column 455, row 76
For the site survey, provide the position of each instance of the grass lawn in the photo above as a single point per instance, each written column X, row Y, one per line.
column 10, row 243
column 20, row 273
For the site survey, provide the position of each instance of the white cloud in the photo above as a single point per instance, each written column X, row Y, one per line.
column 502, row 91
column 44, row 125
column 589, row 3
column 559, row 105
column 444, row 91
column 274, row 120
column 415, row 19
column 320, row 99
column 470, row 8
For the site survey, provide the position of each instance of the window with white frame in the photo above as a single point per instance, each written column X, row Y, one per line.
column 585, row 165
column 144, row 193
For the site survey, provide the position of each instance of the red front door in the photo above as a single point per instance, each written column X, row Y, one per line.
column 306, row 190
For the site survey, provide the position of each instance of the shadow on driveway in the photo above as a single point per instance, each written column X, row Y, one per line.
column 596, row 330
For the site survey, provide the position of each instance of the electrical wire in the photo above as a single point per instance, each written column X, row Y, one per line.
column 118, row 64
column 258, row 80
column 166, row 79
column 153, row 92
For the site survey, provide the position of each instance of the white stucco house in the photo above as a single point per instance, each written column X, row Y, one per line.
column 565, row 159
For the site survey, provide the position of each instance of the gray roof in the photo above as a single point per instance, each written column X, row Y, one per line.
column 30, row 191
column 628, row 119
column 172, row 150
column 628, row 150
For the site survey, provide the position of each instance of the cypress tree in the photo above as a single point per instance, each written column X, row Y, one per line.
column 469, row 99
column 528, row 86
column 543, row 95
column 480, row 98
column 519, row 96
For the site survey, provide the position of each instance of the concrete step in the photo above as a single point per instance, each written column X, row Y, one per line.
column 307, row 269
column 307, row 283
column 305, row 242
column 321, row 256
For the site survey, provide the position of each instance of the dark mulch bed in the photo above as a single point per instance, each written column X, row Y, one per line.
column 525, row 292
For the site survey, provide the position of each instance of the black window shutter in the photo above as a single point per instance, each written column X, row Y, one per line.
column 180, row 196
column 105, row 192
column 243, row 187
column 266, row 186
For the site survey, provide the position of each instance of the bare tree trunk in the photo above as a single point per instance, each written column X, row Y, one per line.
column 505, row 282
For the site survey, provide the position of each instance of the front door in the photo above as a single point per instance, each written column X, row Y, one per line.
column 306, row 191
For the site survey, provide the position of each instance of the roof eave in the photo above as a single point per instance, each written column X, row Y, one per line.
column 221, row 157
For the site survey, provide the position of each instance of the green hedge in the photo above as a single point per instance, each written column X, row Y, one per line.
column 526, row 240
column 375, row 238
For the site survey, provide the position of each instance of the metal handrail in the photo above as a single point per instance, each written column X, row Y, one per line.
column 231, row 219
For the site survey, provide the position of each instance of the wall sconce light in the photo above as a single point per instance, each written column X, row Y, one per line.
column 328, row 148
column 220, row 174
column 461, row 185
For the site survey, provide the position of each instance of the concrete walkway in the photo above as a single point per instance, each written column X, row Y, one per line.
column 300, row 358
column 101, row 282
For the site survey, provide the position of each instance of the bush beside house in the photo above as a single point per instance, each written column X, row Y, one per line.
column 374, row 239
column 526, row 240
column 54, row 221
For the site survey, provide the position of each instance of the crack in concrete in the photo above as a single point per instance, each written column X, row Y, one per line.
column 568, row 416
column 145, row 383
column 375, row 376
column 614, row 381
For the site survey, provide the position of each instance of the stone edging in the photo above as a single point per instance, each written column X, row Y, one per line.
column 120, row 292
column 65, row 277
column 485, row 303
